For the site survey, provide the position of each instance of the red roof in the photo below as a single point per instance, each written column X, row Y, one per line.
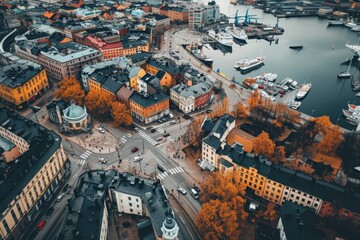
column 112, row 45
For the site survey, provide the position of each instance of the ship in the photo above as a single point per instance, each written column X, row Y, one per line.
column 237, row 33
column 196, row 50
column 221, row 37
column 303, row 91
column 247, row 65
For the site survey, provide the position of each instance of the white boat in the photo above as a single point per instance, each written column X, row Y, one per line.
column 303, row 91
column 358, row 95
column 222, row 37
column 346, row 74
column 267, row 77
column 354, row 48
column 350, row 24
column 352, row 116
column 294, row 84
column 356, row 28
column 347, row 113
column 237, row 33
column 353, row 108
column 336, row 22
column 295, row 105
column 245, row 64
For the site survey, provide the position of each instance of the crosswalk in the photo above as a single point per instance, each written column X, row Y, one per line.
column 147, row 137
column 123, row 139
column 171, row 171
column 84, row 156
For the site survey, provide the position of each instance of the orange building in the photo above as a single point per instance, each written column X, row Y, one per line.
column 149, row 108
column 174, row 13
column 172, row 72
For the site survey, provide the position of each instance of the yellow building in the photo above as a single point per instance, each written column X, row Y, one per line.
column 21, row 82
column 171, row 73
column 273, row 191
column 33, row 178
column 250, row 177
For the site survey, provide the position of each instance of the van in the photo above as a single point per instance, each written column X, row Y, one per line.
column 137, row 158
column 194, row 193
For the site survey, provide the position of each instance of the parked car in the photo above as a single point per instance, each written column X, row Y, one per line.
column 187, row 116
column 101, row 126
column 35, row 108
column 102, row 160
column 153, row 130
column 60, row 197
column 41, row 224
column 172, row 122
column 134, row 149
column 194, row 193
column 181, row 190
column 137, row 158
column 161, row 168
column 49, row 211
column 101, row 130
column 159, row 138
column 197, row 189
column 166, row 134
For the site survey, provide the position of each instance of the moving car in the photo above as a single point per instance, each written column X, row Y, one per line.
column 153, row 130
column 172, row 122
column 101, row 130
column 60, row 197
column 134, row 149
column 137, row 158
column 194, row 193
column 41, row 224
column 159, row 138
column 187, row 116
column 161, row 168
column 102, row 160
column 197, row 189
column 181, row 190
column 166, row 134
column 35, row 108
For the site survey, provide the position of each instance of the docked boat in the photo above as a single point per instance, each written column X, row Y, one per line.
column 353, row 108
column 293, row 104
column 303, row 91
column 338, row 22
column 352, row 116
column 196, row 50
column 296, row 46
column 267, row 77
column 356, row 28
column 237, row 33
column 347, row 113
column 354, row 48
column 358, row 95
column 350, row 24
column 221, row 37
column 246, row 65
column 346, row 74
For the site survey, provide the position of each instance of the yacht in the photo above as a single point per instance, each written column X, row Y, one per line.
column 222, row 37
column 303, row 91
column 353, row 108
column 350, row 24
column 338, row 22
column 356, row 28
column 352, row 116
column 346, row 74
column 246, row 65
column 196, row 50
column 267, row 77
column 237, row 33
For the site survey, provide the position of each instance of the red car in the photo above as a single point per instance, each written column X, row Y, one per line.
column 134, row 149
column 41, row 224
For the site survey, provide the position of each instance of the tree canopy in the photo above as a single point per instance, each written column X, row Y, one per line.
column 70, row 90
column 263, row 145
column 98, row 104
column 121, row 114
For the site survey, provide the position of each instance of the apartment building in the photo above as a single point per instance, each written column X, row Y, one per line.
column 173, row 71
column 30, row 174
column 128, row 193
column 60, row 61
column 22, row 82
column 173, row 13
column 201, row 15
column 149, row 108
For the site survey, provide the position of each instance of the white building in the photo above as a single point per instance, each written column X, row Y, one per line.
column 201, row 15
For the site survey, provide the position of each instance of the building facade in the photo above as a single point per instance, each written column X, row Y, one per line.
column 201, row 15
column 31, row 179
column 22, row 82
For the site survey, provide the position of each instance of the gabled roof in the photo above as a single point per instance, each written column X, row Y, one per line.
column 147, row 101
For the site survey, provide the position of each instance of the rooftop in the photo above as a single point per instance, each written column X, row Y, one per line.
column 14, row 176
column 149, row 100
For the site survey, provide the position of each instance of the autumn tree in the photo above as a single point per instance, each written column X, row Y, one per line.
column 269, row 215
column 70, row 90
column 194, row 132
column 98, row 104
column 221, row 109
column 254, row 99
column 121, row 114
column 263, row 145
column 279, row 155
column 331, row 141
column 240, row 110
column 223, row 207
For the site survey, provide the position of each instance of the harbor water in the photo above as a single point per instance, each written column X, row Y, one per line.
column 319, row 62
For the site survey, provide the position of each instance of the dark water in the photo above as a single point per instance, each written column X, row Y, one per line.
column 318, row 62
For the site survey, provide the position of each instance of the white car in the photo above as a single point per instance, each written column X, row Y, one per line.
column 101, row 130
column 181, row 190
column 102, row 160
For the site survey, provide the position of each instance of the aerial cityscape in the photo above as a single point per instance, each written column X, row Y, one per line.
column 179, row 120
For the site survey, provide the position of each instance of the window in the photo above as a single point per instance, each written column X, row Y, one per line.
column 14, row 216
column 131, row 210
column 6, row 226
column 130, row 204
column 316, row 205
column 129, row 198
column 137, row 206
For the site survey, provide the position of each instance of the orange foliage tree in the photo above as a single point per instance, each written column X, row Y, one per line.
column 331, row 141
column 121, row 114
column 222, row 211
column 254, row 99
column 278, row 155
column 263, row 145
column 269, row 215
column 221, row 109
column 240, row 110
column 98, row 104
column 70, row 89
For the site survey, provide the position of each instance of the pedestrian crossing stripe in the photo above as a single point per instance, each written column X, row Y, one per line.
column 147, row 137
column 86, row 154
column 83, row 157
column 89, row 152
column 82, row 162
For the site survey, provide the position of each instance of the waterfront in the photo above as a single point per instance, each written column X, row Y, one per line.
column 318, row 62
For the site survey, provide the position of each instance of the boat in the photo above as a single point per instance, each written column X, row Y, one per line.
column 358, row 95
column 346, row 74
column 237, row 33
column 295, row 105
column 221, row 37
column 246, row 65
column 295, row 46
column 353, row 108
column 196, row 50
column 352, row 116
column 354, row 48
column 293, row 85
column 356, row 28
column 303, row 91
column 268, row 77
column 347, row 113
column 350, row 24
column 338, row 22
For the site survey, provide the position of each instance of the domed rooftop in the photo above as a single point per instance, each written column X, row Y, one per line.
column 169, row 223
column 75, row 113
